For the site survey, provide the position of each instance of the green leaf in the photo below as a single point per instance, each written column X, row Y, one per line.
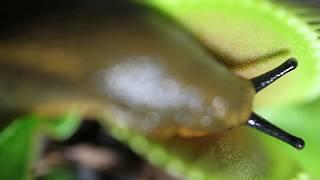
column 17, row 145
column 303, row 121
column 61, row 128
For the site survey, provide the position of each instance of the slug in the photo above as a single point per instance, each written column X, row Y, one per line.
column 135, row 69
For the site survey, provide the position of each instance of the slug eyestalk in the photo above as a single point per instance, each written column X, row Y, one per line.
column 259, row 123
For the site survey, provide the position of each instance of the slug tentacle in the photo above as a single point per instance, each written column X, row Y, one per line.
column 266, row 127
column 260, row 123
column 268, row 78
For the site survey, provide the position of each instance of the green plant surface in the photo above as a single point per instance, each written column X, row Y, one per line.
column 304, row 121
column 19, row 143
column 61, row 128
column 235, row 154
column 17, row 149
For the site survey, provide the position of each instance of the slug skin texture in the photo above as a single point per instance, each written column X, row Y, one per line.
column 135, row 69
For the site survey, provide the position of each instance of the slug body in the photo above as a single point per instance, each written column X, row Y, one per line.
column 136, row 69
